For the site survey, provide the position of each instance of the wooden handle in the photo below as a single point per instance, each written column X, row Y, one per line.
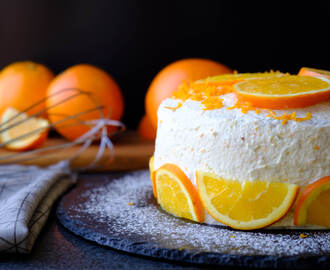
column 131, row 152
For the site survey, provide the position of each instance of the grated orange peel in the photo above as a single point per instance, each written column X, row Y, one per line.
column 245, row 205
column 176, row 194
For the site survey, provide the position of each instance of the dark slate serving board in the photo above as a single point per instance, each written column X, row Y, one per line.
column 120, row 212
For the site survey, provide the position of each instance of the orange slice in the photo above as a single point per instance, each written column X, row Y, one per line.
column 305, row 71
column 313, row 206
column 176, row 194
column 152, row 175
column 29, row 132
column 242, row 76
column 245, row 205
column 284, row 92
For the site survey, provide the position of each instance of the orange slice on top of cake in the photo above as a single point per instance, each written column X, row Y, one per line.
column 284, row 92
column 246, row 144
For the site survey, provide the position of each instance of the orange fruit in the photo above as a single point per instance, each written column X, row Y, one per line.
column 305, row 71
column 170, row 77
column 176, row 194
column 284, row 92
column 102, row 91
column 313, row 205
column 24, row 132
column 22, row 84
column 245, row 205
column 146, row 129
column 152, row 175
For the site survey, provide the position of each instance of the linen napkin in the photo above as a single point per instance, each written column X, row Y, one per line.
column 27, row 194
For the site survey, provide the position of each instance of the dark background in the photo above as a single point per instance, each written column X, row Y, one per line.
column 133, row 40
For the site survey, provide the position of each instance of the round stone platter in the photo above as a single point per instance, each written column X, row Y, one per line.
column 120, row 212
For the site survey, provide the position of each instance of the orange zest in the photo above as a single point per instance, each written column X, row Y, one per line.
column 244, row 107
column 245, row 205
column 284, row 92
column 313, row 205
column 285, row 117
column 176, row 194
column 174, row 108
column 20, row 132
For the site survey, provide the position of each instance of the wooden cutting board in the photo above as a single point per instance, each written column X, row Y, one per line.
column 131, row 152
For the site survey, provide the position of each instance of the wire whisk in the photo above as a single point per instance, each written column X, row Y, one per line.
column 98, row 132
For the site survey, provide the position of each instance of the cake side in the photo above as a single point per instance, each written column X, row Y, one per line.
column 244, row 147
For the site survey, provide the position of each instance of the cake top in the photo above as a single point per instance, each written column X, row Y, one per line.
column 259, row 92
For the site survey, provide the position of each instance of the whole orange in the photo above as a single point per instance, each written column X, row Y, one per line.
column 100, row 90
column 145, row 128
column 170, row 77
column 22, row 84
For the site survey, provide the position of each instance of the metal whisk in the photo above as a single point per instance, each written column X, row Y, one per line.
column 98, row 132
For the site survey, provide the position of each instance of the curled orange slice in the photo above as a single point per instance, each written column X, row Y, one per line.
column 305, row 71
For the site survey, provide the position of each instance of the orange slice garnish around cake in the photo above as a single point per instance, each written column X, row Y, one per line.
column 245, row 205
column 313, row 205
column 152, row 175
column 20, row 132
column 176, row 194
column 284, row 92
column 305, row 71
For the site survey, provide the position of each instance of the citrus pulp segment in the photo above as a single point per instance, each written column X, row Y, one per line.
column 245, row 205
column 176, row 194
column 21, row 132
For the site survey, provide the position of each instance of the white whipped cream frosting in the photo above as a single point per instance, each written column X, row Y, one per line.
column 244, row 147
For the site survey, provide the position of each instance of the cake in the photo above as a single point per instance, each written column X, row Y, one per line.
column 212, row 136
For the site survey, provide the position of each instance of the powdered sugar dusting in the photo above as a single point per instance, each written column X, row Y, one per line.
column 126, row 205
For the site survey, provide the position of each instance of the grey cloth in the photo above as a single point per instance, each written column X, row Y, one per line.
column 27, row 194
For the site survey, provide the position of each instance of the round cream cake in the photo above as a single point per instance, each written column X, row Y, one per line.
column 244, row 146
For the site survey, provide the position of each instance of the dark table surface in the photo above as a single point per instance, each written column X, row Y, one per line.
column 58, row 248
